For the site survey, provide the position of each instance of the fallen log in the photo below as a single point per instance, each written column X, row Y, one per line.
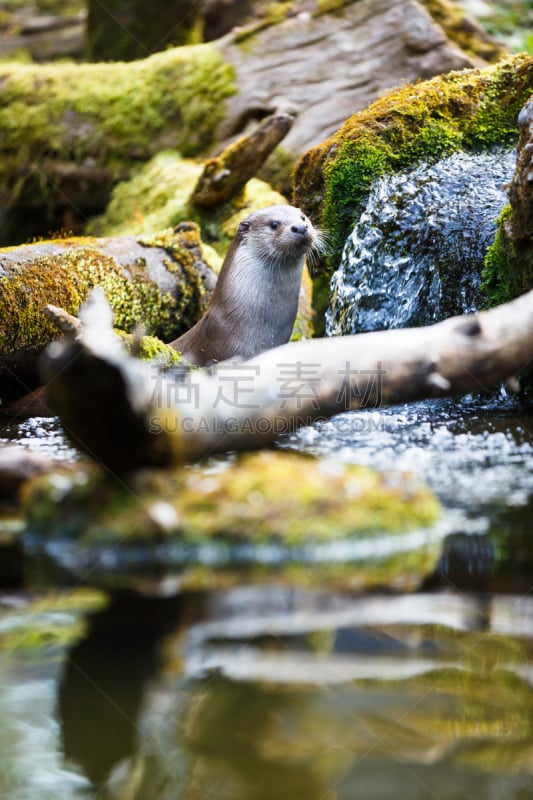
column 70, row 132
column 124, row 415
column 161, row 282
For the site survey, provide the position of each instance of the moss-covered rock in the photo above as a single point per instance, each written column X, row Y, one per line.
column 242, row 503
column 470, row 110
column 246, row 501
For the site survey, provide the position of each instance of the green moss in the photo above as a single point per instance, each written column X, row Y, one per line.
column 64, row 275
column 157, row 197
column 330, row 6
column 248, row 501
column 506, row 275
column 273, row 13
column 500, row 279
column 154, row 198
column 64, row 280
column 150, row 348
column 277, row 171
column 470, row 110
column 116, row 113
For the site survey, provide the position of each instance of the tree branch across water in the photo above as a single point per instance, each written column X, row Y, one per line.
column 127, row 414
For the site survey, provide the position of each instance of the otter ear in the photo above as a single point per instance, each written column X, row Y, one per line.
column 244, row 226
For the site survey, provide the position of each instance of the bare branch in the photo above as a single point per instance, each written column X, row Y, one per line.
column 126, row 414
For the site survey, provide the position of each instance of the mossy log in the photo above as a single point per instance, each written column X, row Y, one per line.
column 69, row 132
column 138, row 417
column 161, row 283
column 225, row 176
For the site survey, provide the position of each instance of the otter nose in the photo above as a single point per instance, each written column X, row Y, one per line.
column 301, row 229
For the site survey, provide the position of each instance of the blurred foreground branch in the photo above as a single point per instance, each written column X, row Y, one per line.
column 125, row 413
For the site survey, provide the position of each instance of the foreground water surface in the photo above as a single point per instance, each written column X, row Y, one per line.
column 270, row 691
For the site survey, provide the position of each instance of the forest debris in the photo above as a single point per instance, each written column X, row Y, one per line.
column 225, row 176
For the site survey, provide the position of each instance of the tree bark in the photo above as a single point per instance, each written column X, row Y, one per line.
column 225, row 176
column 141, row 418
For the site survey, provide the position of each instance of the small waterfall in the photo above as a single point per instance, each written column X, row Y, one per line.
column 415, row 256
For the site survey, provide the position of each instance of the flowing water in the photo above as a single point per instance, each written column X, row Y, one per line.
column 269, row 690
column 416, row 253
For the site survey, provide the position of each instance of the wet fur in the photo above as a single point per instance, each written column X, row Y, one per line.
column 255, row 300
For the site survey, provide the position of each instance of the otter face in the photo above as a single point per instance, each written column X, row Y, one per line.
column 279, row 235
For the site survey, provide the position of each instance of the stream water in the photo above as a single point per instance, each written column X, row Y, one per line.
column 266, row 690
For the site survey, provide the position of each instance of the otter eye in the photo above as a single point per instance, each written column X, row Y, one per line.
column 274, row 224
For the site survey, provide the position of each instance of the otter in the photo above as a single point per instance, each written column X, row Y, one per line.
column 255, row 299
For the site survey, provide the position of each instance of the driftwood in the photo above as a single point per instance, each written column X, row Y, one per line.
column 125, row 415
column 326, row 67
column 225, row 176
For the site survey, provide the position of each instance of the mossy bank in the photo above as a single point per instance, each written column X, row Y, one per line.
column 69, row 132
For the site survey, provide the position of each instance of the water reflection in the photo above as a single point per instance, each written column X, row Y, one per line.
column 319, row 697
column 261, row 692
column 40, row 434
column 268, row 691
column 476, row 453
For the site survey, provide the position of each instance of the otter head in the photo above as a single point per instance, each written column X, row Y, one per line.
column 279, row 236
